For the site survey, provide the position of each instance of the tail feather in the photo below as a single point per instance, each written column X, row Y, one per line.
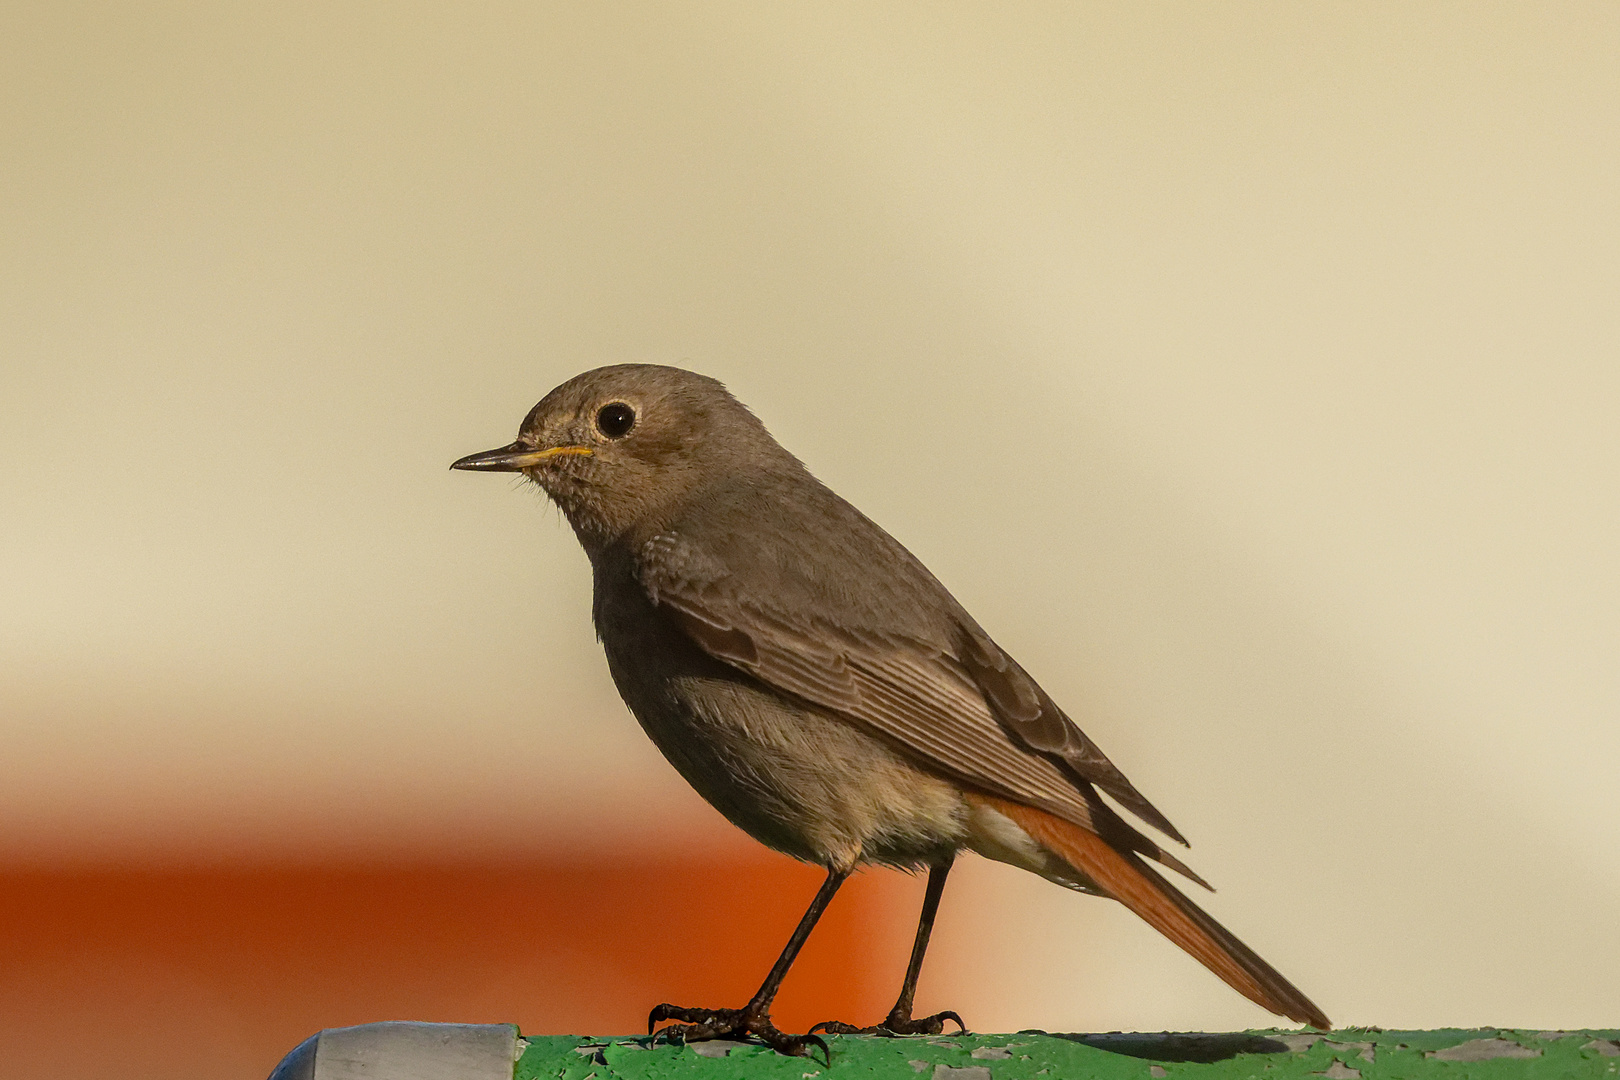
column 1125, row 877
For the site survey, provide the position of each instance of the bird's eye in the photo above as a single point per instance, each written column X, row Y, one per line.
column 615, row 420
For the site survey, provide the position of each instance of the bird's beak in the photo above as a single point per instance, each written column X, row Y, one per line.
column 514, row 458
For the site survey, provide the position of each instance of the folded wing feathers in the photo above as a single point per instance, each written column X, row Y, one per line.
column 925, row 701
column 974, row 714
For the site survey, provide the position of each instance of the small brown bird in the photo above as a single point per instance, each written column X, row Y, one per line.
column 816, row 684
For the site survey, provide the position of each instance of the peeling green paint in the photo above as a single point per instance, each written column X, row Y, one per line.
column 1347, row 1054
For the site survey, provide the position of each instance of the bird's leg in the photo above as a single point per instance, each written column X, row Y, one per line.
column 755, row 1017
column 899, row 1021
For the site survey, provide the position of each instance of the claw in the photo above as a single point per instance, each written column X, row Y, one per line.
column 696, row 1025
column 937, row 1022
column 826, row 1051
column 895, row 1024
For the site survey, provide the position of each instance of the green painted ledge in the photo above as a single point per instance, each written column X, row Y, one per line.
column 1348, row 1054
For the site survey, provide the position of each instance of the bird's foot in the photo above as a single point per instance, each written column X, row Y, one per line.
column 898, row 1022
column 699, row 1024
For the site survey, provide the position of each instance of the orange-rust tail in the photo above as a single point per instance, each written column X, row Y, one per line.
column 1125, row 877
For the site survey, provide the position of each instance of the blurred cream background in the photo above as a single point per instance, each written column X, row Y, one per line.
column 1249, row 370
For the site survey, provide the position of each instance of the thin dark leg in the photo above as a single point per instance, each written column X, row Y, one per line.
column 773, row 981
column 925, row 927
column 899, row 1021
column 755, row 1017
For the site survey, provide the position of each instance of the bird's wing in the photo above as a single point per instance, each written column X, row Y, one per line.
column 963, row 707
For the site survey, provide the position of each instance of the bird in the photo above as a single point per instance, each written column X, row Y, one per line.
column 821, row 689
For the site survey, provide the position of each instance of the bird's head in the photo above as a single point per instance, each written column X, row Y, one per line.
column 623, row 446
